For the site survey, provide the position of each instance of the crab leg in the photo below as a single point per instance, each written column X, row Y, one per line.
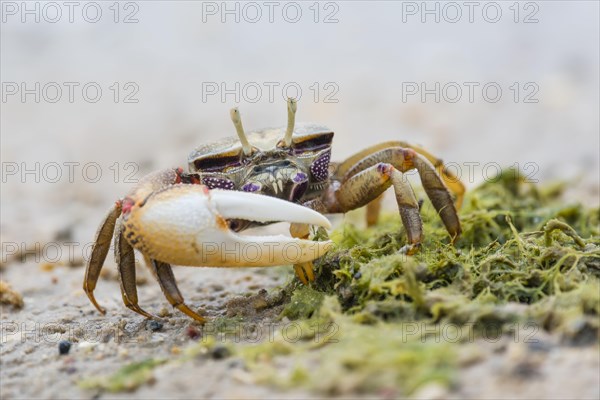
column 168, row 285
column 99, row 251
column 368, row 185
column 451, row 181
column 305, row 271
column 188, row 225
column 439, row 196
column 126, row 264
column 366, row 189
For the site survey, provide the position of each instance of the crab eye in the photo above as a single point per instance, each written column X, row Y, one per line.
column 216, row 163
column 312, row 143
column 217, row 183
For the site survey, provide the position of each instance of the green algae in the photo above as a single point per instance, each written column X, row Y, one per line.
column 343, row 357
column 519, row 244
column 133, row 375
column 304, row 302
column 127, row 378
column 525, row 259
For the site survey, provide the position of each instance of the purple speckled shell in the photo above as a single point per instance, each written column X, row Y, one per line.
column 217, row 183
column 320, row 168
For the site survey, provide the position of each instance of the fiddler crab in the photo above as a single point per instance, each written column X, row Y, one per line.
column 283, row 174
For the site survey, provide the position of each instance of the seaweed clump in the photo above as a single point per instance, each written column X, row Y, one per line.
column 520, row 245
column 525, row 258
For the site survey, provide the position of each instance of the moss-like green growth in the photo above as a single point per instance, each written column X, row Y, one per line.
column 131, row 376
column 337, row 356
column 127, row 378
column 304, row 303
column 524, row 258
column 519, row 244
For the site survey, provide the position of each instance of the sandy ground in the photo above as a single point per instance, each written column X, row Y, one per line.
column 57, row 309
column 171, row 54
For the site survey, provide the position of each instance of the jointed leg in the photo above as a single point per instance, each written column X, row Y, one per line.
column 126, row 264
column 373, row 210
column 99, row 251
column 405, row 160
column 451, row 181
column 368, row 185
column 408, row 206
column 439, row 196
column 366, row 188
column 167, row 282
column 305, row 271
column 149, row 263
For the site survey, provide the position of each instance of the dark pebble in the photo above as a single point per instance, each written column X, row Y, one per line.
column 71, row 370
column 357, row 275
column 154, row 325
column 220, row 352
column 539, row 345
column 63, row 347
column 235, row 364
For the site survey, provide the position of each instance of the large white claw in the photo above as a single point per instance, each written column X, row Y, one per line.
column 185, row 225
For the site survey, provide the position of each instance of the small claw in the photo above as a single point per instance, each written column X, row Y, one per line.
column 184, row 225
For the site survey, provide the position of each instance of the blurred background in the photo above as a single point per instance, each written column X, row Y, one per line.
column 95, row 95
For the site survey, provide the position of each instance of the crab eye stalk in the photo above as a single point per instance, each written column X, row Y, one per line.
column 291, row 106
column 237, row 122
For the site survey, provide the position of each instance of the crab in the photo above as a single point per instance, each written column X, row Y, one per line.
column 284, row 174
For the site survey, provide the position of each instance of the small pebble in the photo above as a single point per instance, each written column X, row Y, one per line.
column 539, row 345
column 47, row 267
column 192, row 332
column 357, row 275
column 71, row 370
column 63, row 347
column 164, row 312
column 235, row 364
column 220, row 352
column 154, row 326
